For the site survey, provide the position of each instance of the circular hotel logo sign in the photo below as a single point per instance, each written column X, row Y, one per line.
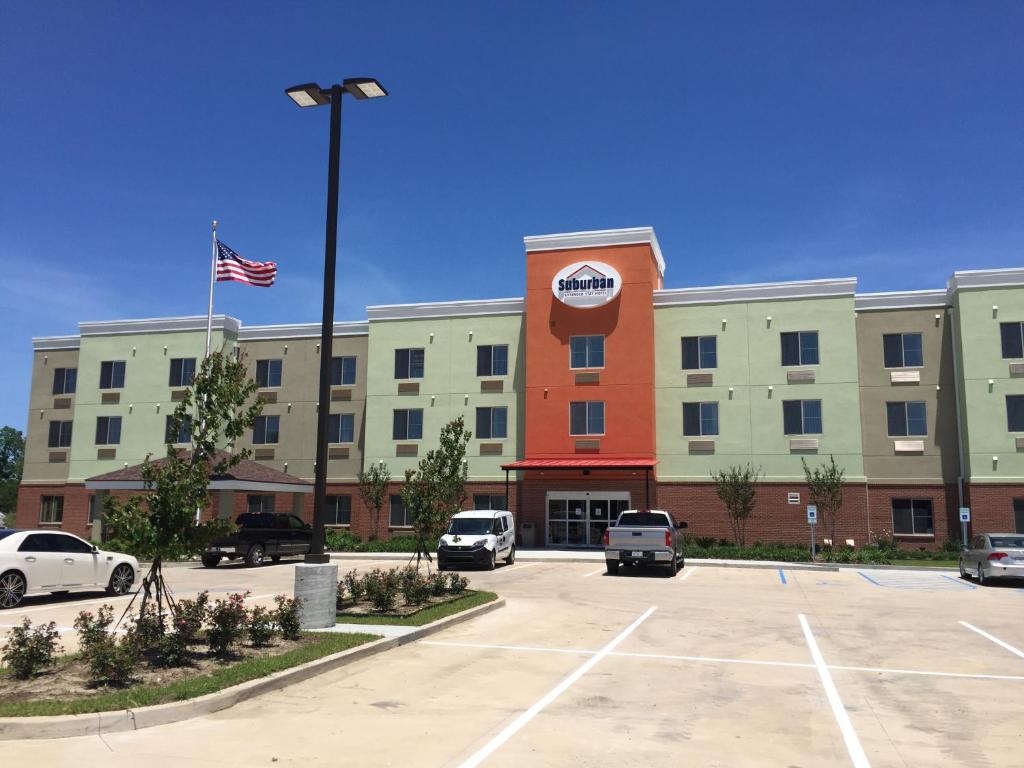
column 586, row 284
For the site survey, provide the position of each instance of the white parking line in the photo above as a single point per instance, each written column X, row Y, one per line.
column 994, row 639
column 71, row 604
column 594, row 573
column 516, row 567
column 688, row 574
column 853, row 746
column 512, row 728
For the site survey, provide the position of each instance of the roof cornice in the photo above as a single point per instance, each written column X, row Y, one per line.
column 158, row 325
column 300, row 331
column 56, row 342
column 512, row 306
column 985, row 278
column 599, row 238
column 721, row 294
column 865, row 302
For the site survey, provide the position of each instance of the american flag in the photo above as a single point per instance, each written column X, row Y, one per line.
column 231, row 266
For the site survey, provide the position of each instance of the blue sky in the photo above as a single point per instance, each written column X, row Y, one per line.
column 763, row 141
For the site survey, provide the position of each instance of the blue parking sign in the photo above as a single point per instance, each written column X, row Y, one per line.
column 965, row 514
column 812, row 514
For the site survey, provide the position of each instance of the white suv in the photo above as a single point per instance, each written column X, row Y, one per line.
column 480, row 537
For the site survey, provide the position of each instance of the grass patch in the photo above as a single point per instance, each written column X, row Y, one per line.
column 427, row 615
column 318, row 645
column 927, row 563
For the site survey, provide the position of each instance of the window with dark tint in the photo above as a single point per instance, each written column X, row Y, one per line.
column 491, row 423
column 492, row 360
column 801, row 417
column 108, row 430
column 266, row 430
column 700, row 352
column 254, row 519
column 1012, row 337
column 409, row 363
column 268, row 373
column 799, row 347
column 471, row 526
column 343, row 371
column 51, row 509
column 65, row 381
column 60, row 434
column 398, row 518
column 35, row 542
column 1018, row 515
column 341, row 427
column 644, row 520
column 407, row 424
column 1015, row 413
column 907, row 419
column 488, row 501
column 60, row 542
column 586, row 418
column 183, row 434
column 586, row 352
column 259, row 504
column 912, row 516
column 700, row 419
column 339, row 510
column 183, row 372
column 112, row 374
column 902, row 350
column 1007, row 542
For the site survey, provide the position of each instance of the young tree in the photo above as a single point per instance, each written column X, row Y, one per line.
column 12, row 461
column 437, row 489
column 162, row 524
column 737, row 488
column 825, row 489
column 373, row 487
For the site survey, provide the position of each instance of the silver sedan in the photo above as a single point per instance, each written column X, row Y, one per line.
column 993, row 555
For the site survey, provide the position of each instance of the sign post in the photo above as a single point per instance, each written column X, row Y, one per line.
column 965, row 518
column 812, row 520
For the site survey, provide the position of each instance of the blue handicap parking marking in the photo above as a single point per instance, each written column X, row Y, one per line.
column 782, row 576
column 922, row 581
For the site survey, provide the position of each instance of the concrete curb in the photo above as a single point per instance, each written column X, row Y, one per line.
column 97, row 723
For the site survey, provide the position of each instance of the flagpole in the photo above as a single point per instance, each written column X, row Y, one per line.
column 213, row 277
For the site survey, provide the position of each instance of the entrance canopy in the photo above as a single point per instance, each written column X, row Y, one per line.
column 594, row 462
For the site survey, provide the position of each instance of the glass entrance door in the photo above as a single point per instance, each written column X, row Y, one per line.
column 580, row 520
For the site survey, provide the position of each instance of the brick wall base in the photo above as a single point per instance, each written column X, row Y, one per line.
column 992, row 507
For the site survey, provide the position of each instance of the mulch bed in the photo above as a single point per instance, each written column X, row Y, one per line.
column 365, row 607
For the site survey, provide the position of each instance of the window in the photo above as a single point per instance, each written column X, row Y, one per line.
column 1012, row 337
column 112, row 374
column 1018, row 515
column 700, row 352
column 907, row 419
column 700, row 419
column 340, row 428
column 492, row 360
column 799, row 348
column 801, row 417
column 339, row 510
column 489, row 501
column 108, row 430
column 183, row 371
column 259, row 504
column 491, row 423
column 912, row 516
column 408, row 363
column 182, row 435
column 64, row 381
column 586, row 418
column 399, row 518
column 266, row 430
column 51, row 509
column 586, row 352
column 1015, row 413
column 60, row 542
column 407, row 424
column 902, row 350
column 95, row 508
column 60, row 434
column 343, row 371
column 268, row 373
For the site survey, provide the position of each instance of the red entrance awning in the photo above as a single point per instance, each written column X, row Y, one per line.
column 582, row 463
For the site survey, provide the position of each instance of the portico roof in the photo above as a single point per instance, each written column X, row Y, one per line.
column 594, row 462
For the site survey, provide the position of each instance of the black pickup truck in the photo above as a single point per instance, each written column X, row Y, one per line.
column 259, row 536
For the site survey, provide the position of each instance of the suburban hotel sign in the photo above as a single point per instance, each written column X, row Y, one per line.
column 586, row 284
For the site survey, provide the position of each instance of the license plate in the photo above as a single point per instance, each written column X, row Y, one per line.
column 638, row 554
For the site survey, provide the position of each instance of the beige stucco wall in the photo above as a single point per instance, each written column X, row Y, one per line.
column 41, row 412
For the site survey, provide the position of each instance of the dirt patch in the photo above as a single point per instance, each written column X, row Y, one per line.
column 365, row 607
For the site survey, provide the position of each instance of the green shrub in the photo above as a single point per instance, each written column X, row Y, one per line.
column 149, row 629
column 382, row 589
column 457, row 583
column 287, row 617
column 415, row 588
column 354, row 585
column 92, row 628
column 227, row 624
column 187, row 620
column 951, row 546
column 340, row 540
column 29, row 650
column 110, row 661
column 438, row 584
column 260, row 625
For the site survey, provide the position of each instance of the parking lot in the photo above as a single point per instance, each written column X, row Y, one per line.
column 716, row 667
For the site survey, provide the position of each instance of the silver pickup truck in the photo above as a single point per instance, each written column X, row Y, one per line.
column 644, row 537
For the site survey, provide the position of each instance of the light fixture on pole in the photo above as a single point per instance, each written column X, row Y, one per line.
column 312, row 95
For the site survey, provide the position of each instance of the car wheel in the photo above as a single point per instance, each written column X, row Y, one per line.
column 121, row 580
column 210, row 561
column 981, row 575
column 12, row 589
column 255, row 556
column 275, row 558
column 511, row 556
column 963, row 571
column 673, row 567
column 612, row 566
column 493, row 562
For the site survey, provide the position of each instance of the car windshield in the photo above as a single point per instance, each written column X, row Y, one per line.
column 1008, row 542
column 470, row 526
column 644, row 519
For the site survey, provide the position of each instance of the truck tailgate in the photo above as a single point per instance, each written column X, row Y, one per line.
column 636, row 538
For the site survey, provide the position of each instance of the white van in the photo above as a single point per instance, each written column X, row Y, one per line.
column 479, row 537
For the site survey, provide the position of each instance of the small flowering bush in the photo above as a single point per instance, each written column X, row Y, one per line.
column 438, row 584
column 457, row 583
column 30, row 649
column 414, row 586
column 227, row 624
column 382, row 589
column 286, row 617
column 111, row 661
column 354, row 585
column 260, row 626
